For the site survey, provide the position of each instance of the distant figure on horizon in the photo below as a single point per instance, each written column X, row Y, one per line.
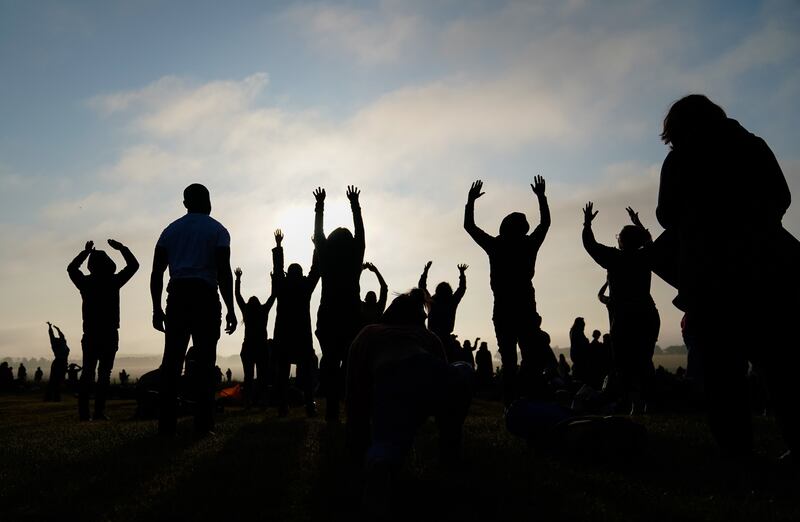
column 443, row 306
column 483, row 364
column 292, row 336
column 6, row 377
column 563, row 367
column 373, row 306
column 229, row 376
column 58, row 368
column 100, row 293
column 123, row 378
column 635, row 322
column 22, row 374
column 255, row 354
column 196, row 248
column 512, row 261
column 38, row 374
column 467, row 349
column 579, row 352
column 341, row 258
column 721, row 200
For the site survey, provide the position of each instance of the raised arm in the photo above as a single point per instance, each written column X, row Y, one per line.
column 314, row 272
column 225, row 281
column 423, row 279
column 74, row 267
column 160, row 260
column 50, row 333
column 384, row 291
column 479, row 236
column 131, row 264
column 238, row 289
column 602, row 254
column 538, row 187
column 319, row 214
column 462, row 283
column 358, row 221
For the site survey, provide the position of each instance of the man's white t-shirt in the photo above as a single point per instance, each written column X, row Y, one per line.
column 191, row 243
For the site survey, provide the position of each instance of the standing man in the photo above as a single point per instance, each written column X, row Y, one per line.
column 197, row 250
column 512, row 262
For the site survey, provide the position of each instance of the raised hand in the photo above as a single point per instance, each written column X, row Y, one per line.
column 588, row 215
column 278, row 237
column 89, row 245
column 368, row 266
column 538, row 186
column 462, row 267
column 428, row 265
column 49, row 324
column 475, row 191
column 319, row 194
column 116, row 245
column 238, row 273
column 353, row 193
column 634, row 216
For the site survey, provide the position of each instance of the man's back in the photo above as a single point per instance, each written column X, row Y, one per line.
column 191, row 242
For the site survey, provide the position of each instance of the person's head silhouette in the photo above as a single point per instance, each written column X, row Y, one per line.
column 371, row 298
column 100, row 264
column 407, row 309
column 691, row 119
column 294, row 272
column 596, row 334
column 514, row 225
column 632, row 237
column 196, row 199
column 443, row 291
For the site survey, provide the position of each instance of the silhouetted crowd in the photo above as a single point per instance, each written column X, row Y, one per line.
column 393, row 365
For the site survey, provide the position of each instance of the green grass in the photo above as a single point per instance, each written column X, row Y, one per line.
column 265, row 468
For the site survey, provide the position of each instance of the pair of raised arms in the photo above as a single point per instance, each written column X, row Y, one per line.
column 589, row 214
column 352, row 194
column 475, row 191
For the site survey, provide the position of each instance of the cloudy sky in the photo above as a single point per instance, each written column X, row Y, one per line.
column 107, row 110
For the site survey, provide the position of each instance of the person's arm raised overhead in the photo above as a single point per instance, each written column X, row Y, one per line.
column 600, row 253
column 384, row 290
column 538, row 187
column 131, row 264
column 278, row 274
column 638, row 223
column 319, row 216
column 74, row 267
column 358, row 221
column 50, row 333
column 238, row 289
column 423, row 279
column 479, row 236
column 160, row 261
column 462, row 283
column 314, row 272
column 225, row 281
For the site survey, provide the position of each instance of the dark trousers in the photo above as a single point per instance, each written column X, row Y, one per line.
column 99, row 349
column 725, row 342
column 58, row 370
column 634, row 333
column 304, row 377
column 406, row 393
column 335, row 344
column 255, row 361
column 193, row 311
column 513, row 326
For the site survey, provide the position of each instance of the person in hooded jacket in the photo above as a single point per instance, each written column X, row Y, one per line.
column 100, row 293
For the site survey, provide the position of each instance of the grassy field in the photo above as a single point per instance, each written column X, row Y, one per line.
column 261, row 467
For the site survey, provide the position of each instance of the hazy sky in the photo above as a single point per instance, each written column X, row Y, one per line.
column 108, row 110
